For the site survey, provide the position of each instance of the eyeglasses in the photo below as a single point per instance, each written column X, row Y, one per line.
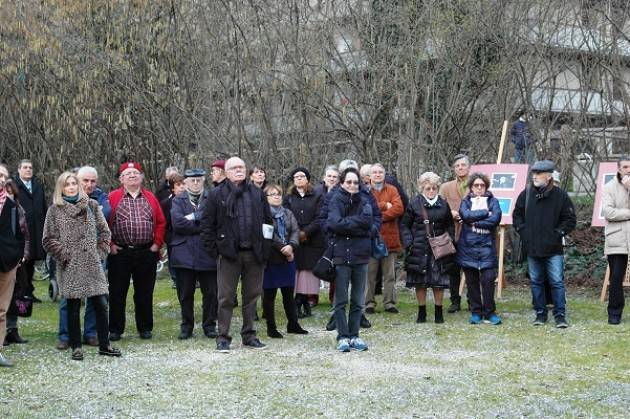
column 351, row 182
column 196, row 179
column 479, row 185
column 430, row 188
column 299, row 177
column 274, row 194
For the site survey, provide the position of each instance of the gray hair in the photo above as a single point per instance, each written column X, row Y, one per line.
column 330, row 167
column 377, row 165
column 622, row 158
column 345, row 164
column 430, row 178
column 86, row 170
column 366, row 170
column 459, row 157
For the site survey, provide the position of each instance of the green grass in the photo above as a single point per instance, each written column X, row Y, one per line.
column 428, row 370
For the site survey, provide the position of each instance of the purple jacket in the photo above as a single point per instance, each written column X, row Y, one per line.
column 187, row 250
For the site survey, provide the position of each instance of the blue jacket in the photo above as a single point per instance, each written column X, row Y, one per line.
column 187, row 249
column 352, row 223
column 103, row 200
column 476, row 247
column 521, row 137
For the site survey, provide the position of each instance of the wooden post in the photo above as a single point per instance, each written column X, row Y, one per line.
column 500, row 277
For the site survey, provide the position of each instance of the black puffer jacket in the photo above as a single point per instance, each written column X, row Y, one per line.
column 306, row 210
column 414, row 235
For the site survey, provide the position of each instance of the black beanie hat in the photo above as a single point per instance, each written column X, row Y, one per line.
column 299, row 169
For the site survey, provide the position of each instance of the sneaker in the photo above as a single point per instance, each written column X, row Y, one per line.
column 540, row 320
column 358, row 344
column 4, row 362
column 343, row 345
column 561, row 322
column 223, row 347
column 475, row 319
column 254, row 344
column 494, row 320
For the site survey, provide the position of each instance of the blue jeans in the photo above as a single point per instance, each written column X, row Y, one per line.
column 355, row 276
column 89, row 321
column 553, row 266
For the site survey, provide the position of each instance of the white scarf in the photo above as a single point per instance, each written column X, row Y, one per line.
column 431, row 201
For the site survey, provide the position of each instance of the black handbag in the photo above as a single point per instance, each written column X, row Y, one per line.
column 21, row 303
column 325, row 267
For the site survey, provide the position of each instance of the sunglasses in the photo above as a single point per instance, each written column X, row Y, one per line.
column 479, row 185
column 351, row 182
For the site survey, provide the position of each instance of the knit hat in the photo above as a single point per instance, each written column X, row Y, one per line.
column 129, row 165
column 297, row 170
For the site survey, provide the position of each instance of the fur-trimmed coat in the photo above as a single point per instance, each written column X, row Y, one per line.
column 78, row 237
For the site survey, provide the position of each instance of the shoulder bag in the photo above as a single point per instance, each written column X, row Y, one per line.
column 442, row 245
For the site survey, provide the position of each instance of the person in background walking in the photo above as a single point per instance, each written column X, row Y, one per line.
column 616, row 209
column 280, row 272
column 477, row 248
column 77, row 236
column 423, row 271
column 523, row 140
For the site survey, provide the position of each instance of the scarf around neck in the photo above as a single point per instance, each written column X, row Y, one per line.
column 235, row 192
column 279, row 214
column 71, row 199
column 431, row 202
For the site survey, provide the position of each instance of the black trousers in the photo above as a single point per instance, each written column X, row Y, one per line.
column 616, row 301
column 454, row 282
column 29, row 270
column 138, row 264
column 74, row 320
column 269, row 300
column 480, row 289
column 186, row 281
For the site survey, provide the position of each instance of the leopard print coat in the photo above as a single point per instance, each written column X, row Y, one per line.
column 78, row 237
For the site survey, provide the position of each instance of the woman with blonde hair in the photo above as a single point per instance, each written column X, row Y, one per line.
column 423, row 270
column 77, row 236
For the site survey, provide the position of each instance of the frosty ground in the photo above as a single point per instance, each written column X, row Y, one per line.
column 410, row 370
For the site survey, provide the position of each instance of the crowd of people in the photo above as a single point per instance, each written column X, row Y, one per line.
column 244, row 229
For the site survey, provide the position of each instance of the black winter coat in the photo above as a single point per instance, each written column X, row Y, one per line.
column 549, row 216
column 306, row 210
column 414, row 235
column 35, row 207
column 219, row 230
column 351, row 221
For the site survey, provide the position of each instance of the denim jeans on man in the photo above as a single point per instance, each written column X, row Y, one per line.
column 553, row 266
column 89, row 321
column 355, row 276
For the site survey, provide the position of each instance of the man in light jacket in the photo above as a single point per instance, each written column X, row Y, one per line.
column 616, row 209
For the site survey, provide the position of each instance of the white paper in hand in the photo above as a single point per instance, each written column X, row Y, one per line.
column 267, row 231
column 479, row 203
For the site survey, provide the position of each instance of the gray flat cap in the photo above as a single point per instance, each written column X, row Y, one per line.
column 543, row 166
column 194, row 173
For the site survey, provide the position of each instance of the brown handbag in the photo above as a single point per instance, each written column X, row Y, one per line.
column 442, row 245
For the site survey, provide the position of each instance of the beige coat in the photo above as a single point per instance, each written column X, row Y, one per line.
column 450, row 192
column 78, row 238
column 616, row 209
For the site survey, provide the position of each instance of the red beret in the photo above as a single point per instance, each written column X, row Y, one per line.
column 219, row 163
column 130, row 165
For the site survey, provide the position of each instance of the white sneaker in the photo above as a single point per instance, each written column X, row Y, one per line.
column 4, row 362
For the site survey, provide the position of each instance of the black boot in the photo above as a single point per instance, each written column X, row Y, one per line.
column 14, row 337
column 332, row 324
column 365, row 323
column 439, row 317
column 307, row 308
column 455, row 305
column 296, row 329
column 422, row 314
column 272, row 330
